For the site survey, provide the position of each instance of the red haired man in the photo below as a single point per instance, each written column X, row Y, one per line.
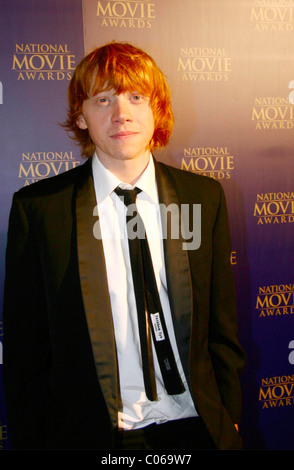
column 74, row 363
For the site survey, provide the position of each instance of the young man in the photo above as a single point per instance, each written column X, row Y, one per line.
column 72, row 355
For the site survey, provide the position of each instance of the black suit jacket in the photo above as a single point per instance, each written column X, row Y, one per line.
column 60, row 364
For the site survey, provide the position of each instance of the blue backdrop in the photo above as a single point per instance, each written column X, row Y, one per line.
column 230, row 68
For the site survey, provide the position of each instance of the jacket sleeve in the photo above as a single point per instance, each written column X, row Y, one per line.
column 26, row 351
column 226, row 353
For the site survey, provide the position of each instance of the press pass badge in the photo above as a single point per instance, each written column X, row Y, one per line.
column 157, row 327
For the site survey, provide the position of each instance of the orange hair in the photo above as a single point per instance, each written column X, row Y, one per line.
column 122, row 67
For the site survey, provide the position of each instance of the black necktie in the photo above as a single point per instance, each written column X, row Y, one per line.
column 148, row 303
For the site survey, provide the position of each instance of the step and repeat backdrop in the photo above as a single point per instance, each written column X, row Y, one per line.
column 230, row 66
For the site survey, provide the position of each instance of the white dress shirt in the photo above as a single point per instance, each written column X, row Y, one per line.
column 137, row 411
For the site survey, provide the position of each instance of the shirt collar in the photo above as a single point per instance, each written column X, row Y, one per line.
column 105, row 182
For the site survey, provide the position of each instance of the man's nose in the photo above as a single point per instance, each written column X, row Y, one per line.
column 122, row 109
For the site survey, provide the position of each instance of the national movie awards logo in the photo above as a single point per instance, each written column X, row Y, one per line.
column 39, row 165
column 204, row 64
column 275, row 301
column 273, row 113
column 43, row 62
column 276, row 392
column 215, row 162
column 3, row 435
column 274, row 208
column 126, row 14
column 273, row 15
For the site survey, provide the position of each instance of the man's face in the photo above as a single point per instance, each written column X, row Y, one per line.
column 121, row 126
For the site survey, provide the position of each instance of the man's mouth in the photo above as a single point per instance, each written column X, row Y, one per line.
column 123, row 135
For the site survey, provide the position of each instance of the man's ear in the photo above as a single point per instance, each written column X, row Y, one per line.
column 81, row 123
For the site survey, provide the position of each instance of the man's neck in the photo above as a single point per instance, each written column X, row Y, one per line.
column 127, row 171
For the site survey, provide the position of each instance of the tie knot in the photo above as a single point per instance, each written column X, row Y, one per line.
column 128, row 196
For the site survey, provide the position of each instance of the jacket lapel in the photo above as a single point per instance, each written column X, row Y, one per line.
column 94, row 287
column 177, row 272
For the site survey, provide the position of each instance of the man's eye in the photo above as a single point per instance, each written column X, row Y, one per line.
column 137, row 97
column 102, row 100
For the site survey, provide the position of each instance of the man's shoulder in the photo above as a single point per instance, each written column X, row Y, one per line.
column 188, row 179
column 55, row 184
